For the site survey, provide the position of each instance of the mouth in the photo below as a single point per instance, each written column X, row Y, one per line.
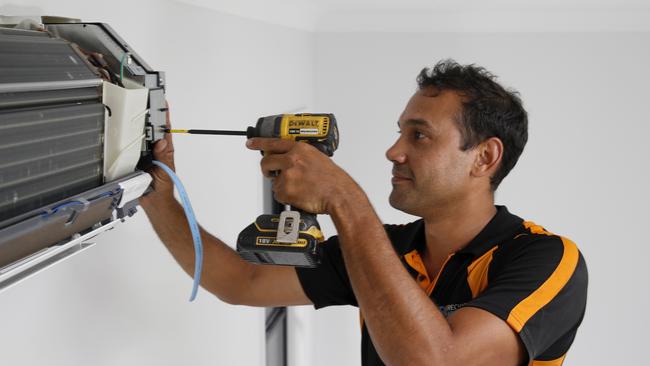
column 399, row 177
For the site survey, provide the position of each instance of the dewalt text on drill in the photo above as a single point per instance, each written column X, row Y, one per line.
column 292, row 237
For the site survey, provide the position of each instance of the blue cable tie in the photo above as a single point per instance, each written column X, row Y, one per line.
column 194, row 227
column 55, row 209
column 107, row 194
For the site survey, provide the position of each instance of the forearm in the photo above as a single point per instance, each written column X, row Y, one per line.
column 403, row 322
column 224, row 273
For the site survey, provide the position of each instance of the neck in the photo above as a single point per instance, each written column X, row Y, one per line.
column 450, row 229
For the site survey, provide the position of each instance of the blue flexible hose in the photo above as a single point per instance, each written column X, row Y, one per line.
column 194, row 227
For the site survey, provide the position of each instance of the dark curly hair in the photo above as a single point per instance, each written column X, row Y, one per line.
column 489, row 110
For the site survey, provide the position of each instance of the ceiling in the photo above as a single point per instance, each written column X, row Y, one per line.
column 439, row 15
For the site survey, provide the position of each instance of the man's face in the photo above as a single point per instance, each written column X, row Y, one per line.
column 430, row 171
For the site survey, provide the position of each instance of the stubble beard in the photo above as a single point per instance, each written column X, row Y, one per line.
column 403, row 200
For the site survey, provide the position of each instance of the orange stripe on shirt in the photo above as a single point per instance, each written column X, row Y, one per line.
column 423, row 279
column 414, row 260
column 556, row 362
column 521, row 313
column 477, row 273
column 535, row 229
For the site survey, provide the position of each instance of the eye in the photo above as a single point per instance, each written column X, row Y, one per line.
column 418, row 135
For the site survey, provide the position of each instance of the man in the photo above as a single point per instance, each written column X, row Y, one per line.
column 468, row 284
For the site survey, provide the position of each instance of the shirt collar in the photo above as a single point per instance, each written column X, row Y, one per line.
column 501, row 227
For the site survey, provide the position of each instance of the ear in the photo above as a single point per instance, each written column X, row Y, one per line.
column 488, row 157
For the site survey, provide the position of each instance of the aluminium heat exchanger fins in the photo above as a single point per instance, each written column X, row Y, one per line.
column 48, row 97
column 51, row 122
column 48, row 154
column 34, row 61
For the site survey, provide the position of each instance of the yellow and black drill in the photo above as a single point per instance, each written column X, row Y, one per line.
column 285, row 236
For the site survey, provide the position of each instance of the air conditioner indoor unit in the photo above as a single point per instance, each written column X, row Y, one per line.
column 79, row 113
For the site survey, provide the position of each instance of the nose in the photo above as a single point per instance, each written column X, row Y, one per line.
column 396, row 152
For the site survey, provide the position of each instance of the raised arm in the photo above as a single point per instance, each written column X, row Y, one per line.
column 225, row 274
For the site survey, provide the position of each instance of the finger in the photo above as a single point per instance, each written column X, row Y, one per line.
column 163, row 152
column 271, row 164
column 278, row 189
column 168, row 124
column 159, row 146
column 163, row 149
column 270, row 145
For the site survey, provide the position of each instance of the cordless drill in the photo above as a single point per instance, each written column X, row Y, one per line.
column 292, row 237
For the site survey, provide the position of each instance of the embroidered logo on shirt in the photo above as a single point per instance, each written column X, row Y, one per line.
column 446, row 310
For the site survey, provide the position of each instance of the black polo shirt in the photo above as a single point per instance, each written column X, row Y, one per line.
column 534, row 280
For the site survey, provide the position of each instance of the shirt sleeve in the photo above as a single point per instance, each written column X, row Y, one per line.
column 540, row 290
column 328, row 284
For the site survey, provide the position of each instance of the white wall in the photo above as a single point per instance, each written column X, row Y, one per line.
column 583, row 173
column 124, row 302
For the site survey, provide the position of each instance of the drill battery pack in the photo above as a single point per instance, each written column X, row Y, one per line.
column 258, row 243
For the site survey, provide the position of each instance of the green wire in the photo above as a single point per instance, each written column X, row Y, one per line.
column 122, row 67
